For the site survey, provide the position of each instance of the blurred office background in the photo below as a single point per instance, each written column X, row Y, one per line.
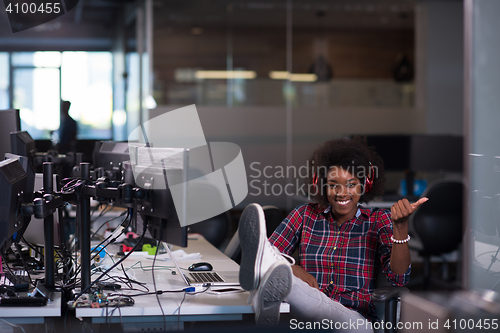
column 277, row 78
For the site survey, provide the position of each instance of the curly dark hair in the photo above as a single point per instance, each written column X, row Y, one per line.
column 353, row 155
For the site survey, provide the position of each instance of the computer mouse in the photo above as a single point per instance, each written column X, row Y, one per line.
column 200, row 266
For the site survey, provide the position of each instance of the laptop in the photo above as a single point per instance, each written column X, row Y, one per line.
column 206, row 278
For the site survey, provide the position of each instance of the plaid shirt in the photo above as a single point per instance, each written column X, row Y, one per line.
column 344, row 260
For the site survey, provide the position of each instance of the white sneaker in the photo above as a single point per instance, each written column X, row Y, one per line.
column 257, row 254
column 275, row 285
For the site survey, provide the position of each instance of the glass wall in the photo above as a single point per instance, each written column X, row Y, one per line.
column 132, row 93
column 279, row 77
column 234, row 54
column 4, row 81
column 42, row 79
column 86, row 79
column 36, row 86
column 483, row 152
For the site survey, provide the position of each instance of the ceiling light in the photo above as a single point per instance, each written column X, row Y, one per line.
column 297, row 77
column 304, row 77
column 279, row 75
column 225, row 74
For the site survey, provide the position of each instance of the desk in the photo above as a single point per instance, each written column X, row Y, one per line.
column 30, row 315
column 146, row 313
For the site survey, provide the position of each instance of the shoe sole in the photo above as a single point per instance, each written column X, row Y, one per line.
column 251, row 246
column 276, row 286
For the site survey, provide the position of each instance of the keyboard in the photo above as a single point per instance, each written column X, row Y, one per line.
column 204, row 277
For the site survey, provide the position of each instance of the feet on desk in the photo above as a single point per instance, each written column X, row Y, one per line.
column 263, row 270
column 266, row 299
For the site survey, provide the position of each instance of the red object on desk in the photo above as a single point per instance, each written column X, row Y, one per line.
column 125, row 248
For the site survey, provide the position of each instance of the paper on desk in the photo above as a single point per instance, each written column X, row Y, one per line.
column 178, row 254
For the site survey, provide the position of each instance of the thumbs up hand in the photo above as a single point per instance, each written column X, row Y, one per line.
column 402, row 209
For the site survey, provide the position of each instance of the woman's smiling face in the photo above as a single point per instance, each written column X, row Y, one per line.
column 343, row 192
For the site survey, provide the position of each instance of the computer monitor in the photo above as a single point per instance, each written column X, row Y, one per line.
column 21, row 143
column 34, row 233
column 28, row 193
column 419, row 153
column 13, row 181
column 164, row 224
column 9, row 122
column 110, row 156
column 150, row 171
column 437, row 153
column 393, row 149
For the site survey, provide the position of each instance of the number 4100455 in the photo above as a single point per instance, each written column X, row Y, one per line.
column 33, row 8
column 463, row 324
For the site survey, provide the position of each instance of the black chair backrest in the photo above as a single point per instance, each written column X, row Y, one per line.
column 438, row 222
column 273, row 216
column 215, row 229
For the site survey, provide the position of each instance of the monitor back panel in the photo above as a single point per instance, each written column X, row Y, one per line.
column 34, row 233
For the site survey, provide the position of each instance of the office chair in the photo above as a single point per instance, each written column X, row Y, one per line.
column 274, row 216
column 390, row 297
column 215, row 229
column 438, row 223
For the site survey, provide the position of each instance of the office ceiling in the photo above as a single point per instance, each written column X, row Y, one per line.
column 97, row 19
column 332, row 14
column 97, row 11
column 329, row 14
column 91, row 25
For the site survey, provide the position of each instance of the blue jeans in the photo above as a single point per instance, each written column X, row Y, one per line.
column 313, row 309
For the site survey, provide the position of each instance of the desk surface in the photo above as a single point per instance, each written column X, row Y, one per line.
column 201, row 306
column 30, row 314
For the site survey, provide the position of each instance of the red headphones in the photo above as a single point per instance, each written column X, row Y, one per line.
column 369, row 180
column 315, row 181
